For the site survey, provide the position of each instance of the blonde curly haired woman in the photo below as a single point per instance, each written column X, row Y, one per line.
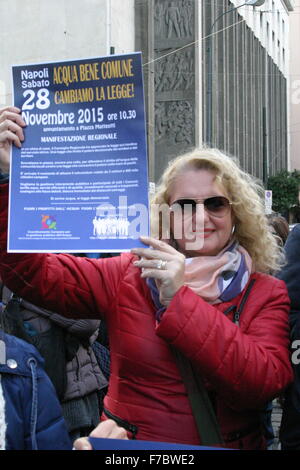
column 182, row 293
column 246, row 201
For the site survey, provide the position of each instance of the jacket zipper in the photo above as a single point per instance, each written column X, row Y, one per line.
column 121, row 422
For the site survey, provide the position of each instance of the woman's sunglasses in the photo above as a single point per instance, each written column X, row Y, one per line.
column 218, row 206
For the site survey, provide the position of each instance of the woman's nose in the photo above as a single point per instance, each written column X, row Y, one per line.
column 200, row 216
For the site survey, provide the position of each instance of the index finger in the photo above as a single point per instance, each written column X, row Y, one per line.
column 158, row 244
column 109, row 429
column 82, row 444
column 11, row 113
column 11, row 109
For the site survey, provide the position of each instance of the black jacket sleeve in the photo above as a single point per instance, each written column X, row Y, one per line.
column 290, row 425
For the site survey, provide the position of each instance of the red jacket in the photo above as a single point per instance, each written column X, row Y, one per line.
column 244, row 366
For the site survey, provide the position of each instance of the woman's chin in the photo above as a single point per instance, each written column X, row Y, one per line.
column 199, row 248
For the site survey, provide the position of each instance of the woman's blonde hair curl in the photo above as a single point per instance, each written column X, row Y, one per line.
column 247, row 197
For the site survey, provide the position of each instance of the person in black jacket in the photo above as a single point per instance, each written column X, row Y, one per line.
column 69, row 360
column 290, row 273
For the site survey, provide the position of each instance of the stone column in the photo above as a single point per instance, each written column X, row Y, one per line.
column 168, row 45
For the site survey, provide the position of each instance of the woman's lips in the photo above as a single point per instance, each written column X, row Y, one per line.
column 205, row 234
column 208, row 233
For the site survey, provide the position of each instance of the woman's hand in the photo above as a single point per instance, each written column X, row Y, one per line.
column 162, row 263
column 107, row 429
column 11, row 132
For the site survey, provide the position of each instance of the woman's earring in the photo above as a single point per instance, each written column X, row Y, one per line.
column 233, row 230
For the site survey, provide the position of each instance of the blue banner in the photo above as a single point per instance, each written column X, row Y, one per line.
column 124, row 444
column 79, row 183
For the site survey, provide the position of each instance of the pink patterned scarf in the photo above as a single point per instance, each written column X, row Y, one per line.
column 222, row 277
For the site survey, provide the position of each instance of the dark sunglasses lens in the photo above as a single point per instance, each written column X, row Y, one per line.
column 216, row 205
column 186, row 204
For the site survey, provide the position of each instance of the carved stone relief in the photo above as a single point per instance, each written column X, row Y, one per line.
column 174, row 19
column 175, row 71
column 174, row 122
column 174, row 79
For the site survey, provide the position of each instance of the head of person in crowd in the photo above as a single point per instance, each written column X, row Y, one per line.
column 279, row 227
column 228, row 202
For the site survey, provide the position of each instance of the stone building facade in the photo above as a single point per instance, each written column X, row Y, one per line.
column 246, row 112
column 225, row 86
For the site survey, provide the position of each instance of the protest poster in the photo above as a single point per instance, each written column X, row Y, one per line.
column 133, row 444
column 79, row 183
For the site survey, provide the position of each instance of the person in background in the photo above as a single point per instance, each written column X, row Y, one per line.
column 280, row 227
column 183, row 292
column 66, row 346
column 290, row 425
column 30, row 413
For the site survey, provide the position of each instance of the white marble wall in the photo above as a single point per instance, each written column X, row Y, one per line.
column 270, row 24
